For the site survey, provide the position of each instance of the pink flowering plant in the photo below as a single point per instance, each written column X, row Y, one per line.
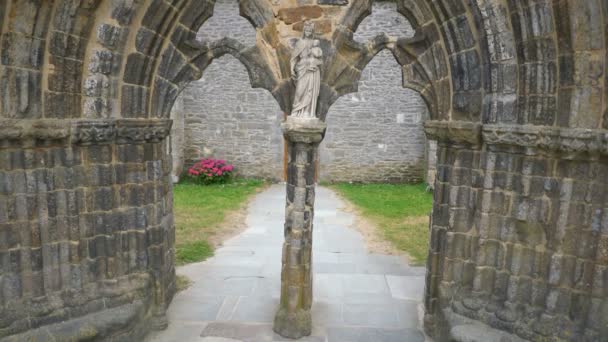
column 210, row 171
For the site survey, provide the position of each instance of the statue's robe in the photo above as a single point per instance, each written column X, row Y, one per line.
column 308, row 82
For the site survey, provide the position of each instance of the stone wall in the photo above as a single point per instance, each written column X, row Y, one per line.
column 517, row 93
column 225, row 118
column 520, row 234
column 381, row 125
column 376, row 134
column 84, row 227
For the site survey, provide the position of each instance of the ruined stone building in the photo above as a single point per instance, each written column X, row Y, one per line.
column 374, row 135
column 517, row 99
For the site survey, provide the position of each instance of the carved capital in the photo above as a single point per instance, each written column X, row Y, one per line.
column 138, row 131
column 310, row 131
column 84, row 132
column 93, row 132
column 570, row 141
column 566, row 140
column 454, row 132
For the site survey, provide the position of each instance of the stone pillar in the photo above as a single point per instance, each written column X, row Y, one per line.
column 88, row 205
column 518, row 224
column 303, row 137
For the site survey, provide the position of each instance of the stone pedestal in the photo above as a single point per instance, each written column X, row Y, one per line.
column 303, row 137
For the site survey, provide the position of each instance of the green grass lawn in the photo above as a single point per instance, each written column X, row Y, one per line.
column 199, row 212
column 399, row 210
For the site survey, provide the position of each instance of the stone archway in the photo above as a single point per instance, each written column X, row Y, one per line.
column 376, row 134
column 518, row 93
column 225, row 118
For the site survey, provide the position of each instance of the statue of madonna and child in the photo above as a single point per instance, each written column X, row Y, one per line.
column 306, row 60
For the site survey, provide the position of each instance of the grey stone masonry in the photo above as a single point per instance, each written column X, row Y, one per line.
column 517, row 96
column 383, row 19
column 517, row 229
column 380, row 125
column 226, row 119
column 177, row 138
column 293, row 319
column 223, row 116
column 376, row 134
column 87, row 227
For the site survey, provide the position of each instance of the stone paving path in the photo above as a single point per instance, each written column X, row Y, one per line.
column 358, row 297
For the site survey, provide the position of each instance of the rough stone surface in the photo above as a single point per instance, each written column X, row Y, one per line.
column 303, row 135
column 518, row 102
column 97, row 326
column 177, row 139
column 225, row 118
column 85, row 228
column 376, row 135
column 381, row 124
column 521, row 235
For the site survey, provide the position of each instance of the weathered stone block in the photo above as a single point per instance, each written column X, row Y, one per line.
column 109, row 36
column 139, row 69
column 68, row 46
column 333, row 2
column 296, row 14
column 159, row 17
column 20, row 91
column 321, row 26
column 21, row 51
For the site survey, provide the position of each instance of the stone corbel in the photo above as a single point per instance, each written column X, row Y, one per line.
column 309, row 131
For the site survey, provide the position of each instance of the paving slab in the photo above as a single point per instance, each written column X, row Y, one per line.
column 403, row 287
column 255, row 309
column 356, row 334
column 408, row 312
column 195, row 308
column 364, row 284
column 358, row 296
column 375, row 315
column 227, row 309
column 181, row 331
column 327, row 313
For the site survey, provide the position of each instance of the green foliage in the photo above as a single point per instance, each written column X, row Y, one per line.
column 399, row 210
column 188, row 252
column 199, row 211
column 389, row 200
column 210, row 171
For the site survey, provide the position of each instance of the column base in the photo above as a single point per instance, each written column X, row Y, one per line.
column 293, row 325
column 159, row 321
column 300, row 130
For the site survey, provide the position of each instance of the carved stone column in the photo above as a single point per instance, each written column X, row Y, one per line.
column 303, row 137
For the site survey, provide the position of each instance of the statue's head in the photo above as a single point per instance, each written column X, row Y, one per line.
column 309, row 29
